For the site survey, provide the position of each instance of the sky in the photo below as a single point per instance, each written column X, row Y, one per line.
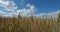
column 45, row 6
column 28, row 7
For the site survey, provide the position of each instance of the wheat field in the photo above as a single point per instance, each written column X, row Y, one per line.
column 29, row 24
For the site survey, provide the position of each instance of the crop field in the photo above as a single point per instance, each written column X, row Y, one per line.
column 29, row 24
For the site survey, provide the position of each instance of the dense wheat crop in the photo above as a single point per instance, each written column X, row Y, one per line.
column 29, row 24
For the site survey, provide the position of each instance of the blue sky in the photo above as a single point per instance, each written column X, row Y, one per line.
column 26, row 7
column 43, row 6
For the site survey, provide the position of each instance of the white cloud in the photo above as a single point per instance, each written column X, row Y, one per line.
column 53, row 14
column 4, row 2
column 11, row 7
column 8, row 6
column 25, row 12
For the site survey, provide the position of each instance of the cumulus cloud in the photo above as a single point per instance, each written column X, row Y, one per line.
column 4, row 2
column 53, row 14
column 9, row 8
column 25, row 12
column 8, row 5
